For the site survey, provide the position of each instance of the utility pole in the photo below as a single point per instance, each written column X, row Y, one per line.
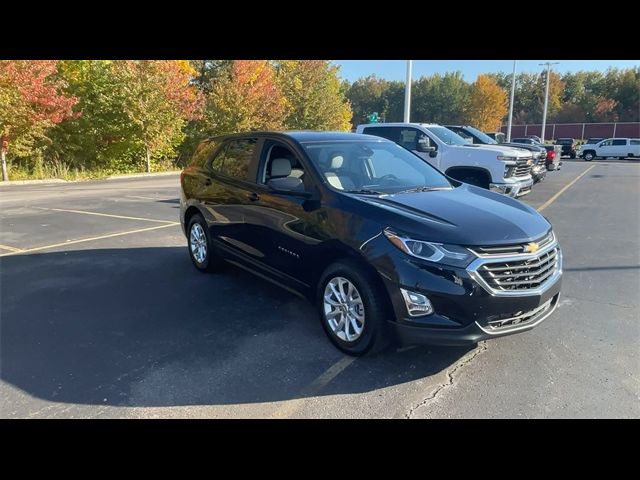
column 407, row 93
column 513, row 92
column 546, row 98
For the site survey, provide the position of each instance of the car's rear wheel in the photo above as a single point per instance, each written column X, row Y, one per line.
column 201, row 251
column 352, row 309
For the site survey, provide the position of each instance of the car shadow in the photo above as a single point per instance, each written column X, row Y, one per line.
column 141, row 327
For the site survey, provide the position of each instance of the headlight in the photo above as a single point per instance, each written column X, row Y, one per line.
column 502, row 158
column 453, row 255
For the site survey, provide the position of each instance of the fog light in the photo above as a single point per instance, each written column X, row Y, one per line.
column 417, row 304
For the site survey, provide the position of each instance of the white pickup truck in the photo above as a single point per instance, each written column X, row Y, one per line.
column 505, row 170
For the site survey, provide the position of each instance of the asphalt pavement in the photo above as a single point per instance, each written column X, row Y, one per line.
column 103, row 315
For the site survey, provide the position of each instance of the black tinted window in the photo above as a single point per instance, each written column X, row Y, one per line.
column 390, row 133
column 619, row 142
column 203, row 153
column 234, row 158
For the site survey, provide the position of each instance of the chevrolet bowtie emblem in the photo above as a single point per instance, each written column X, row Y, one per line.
column 532, row 247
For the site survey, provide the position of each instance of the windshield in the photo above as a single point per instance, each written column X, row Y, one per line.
column 447, row 136
column 483, row 137
column 372, row 167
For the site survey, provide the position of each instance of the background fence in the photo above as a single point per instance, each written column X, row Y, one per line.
column 579, row 131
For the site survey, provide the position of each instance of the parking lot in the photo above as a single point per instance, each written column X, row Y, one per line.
column 103, row 315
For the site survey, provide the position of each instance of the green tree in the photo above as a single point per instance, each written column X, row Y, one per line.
column 440, row 99
column 158, row 98
column 314, row 97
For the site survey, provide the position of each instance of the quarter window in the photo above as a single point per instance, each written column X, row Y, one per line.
column 634, row 142
column 235, row 158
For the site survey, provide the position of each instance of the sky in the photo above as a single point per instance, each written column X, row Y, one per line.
column 396, row 69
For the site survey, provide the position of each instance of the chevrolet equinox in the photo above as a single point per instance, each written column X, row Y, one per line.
column 386, row 246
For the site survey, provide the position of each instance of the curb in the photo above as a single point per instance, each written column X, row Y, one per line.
column 113, row 177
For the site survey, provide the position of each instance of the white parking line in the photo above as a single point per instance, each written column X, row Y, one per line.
column 84, row 212
column 291, row 406
column 90, row 239
column 11, row 249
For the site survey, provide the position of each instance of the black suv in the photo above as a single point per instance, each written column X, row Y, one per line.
column 384, row 244
column 568, row 146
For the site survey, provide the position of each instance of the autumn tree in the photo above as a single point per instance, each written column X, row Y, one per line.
column 487, row 104
column 314, row 98
column 158, row 99
column 247, row 99
column 30, row 103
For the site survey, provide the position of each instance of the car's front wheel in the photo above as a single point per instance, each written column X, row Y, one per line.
column 588, row 156
column 199, row 244
column 352, row 309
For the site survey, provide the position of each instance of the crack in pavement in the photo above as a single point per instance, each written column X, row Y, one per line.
column 482, row 347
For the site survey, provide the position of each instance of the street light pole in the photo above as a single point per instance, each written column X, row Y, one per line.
column 546, row 99
column 513, row 92
column 407, row 93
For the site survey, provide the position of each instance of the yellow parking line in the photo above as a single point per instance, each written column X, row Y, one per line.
column 91, row 239
column 291, row 406
column 11, row 249
column 563, row 189
column 104, row 215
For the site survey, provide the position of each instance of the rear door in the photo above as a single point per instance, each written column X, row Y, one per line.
column 619, row 146
column 230, row 192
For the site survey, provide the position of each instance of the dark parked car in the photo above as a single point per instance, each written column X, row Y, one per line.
column 385, row 245
column 538, row 152
column 568, row 147
column 553, row 161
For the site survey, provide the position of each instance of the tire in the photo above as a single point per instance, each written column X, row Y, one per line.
column 588, row 156
column 573, row 156
column 368, row 302
column 209, row 261
column 621, row 158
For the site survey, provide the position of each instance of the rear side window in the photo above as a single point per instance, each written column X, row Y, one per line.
column 634, row 142
column 203, row 153
column 234, row 158
column 619, row 142
column 390, row 133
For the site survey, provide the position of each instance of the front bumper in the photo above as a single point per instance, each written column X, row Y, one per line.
column 465, row 312
column 515, row 188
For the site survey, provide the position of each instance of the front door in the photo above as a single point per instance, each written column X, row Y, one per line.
column 279, row 222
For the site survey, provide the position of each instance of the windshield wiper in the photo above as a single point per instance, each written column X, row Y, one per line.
column 365, row 191
column 424, row 189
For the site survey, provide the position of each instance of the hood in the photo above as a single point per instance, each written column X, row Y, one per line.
column 507, row 151
column 464, row 215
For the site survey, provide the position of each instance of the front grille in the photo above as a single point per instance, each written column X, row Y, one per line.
column 522, row 274
column 523, row 168
column 513, row 249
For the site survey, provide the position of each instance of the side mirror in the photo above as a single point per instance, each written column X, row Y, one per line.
column 425, row 148
column 433, row 153
column 288, row 186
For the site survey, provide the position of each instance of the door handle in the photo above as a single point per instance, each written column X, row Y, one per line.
column 253, row 197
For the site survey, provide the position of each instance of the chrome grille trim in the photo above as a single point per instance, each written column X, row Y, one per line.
column 531, row 319
column 513, row 249
column 547, row 261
